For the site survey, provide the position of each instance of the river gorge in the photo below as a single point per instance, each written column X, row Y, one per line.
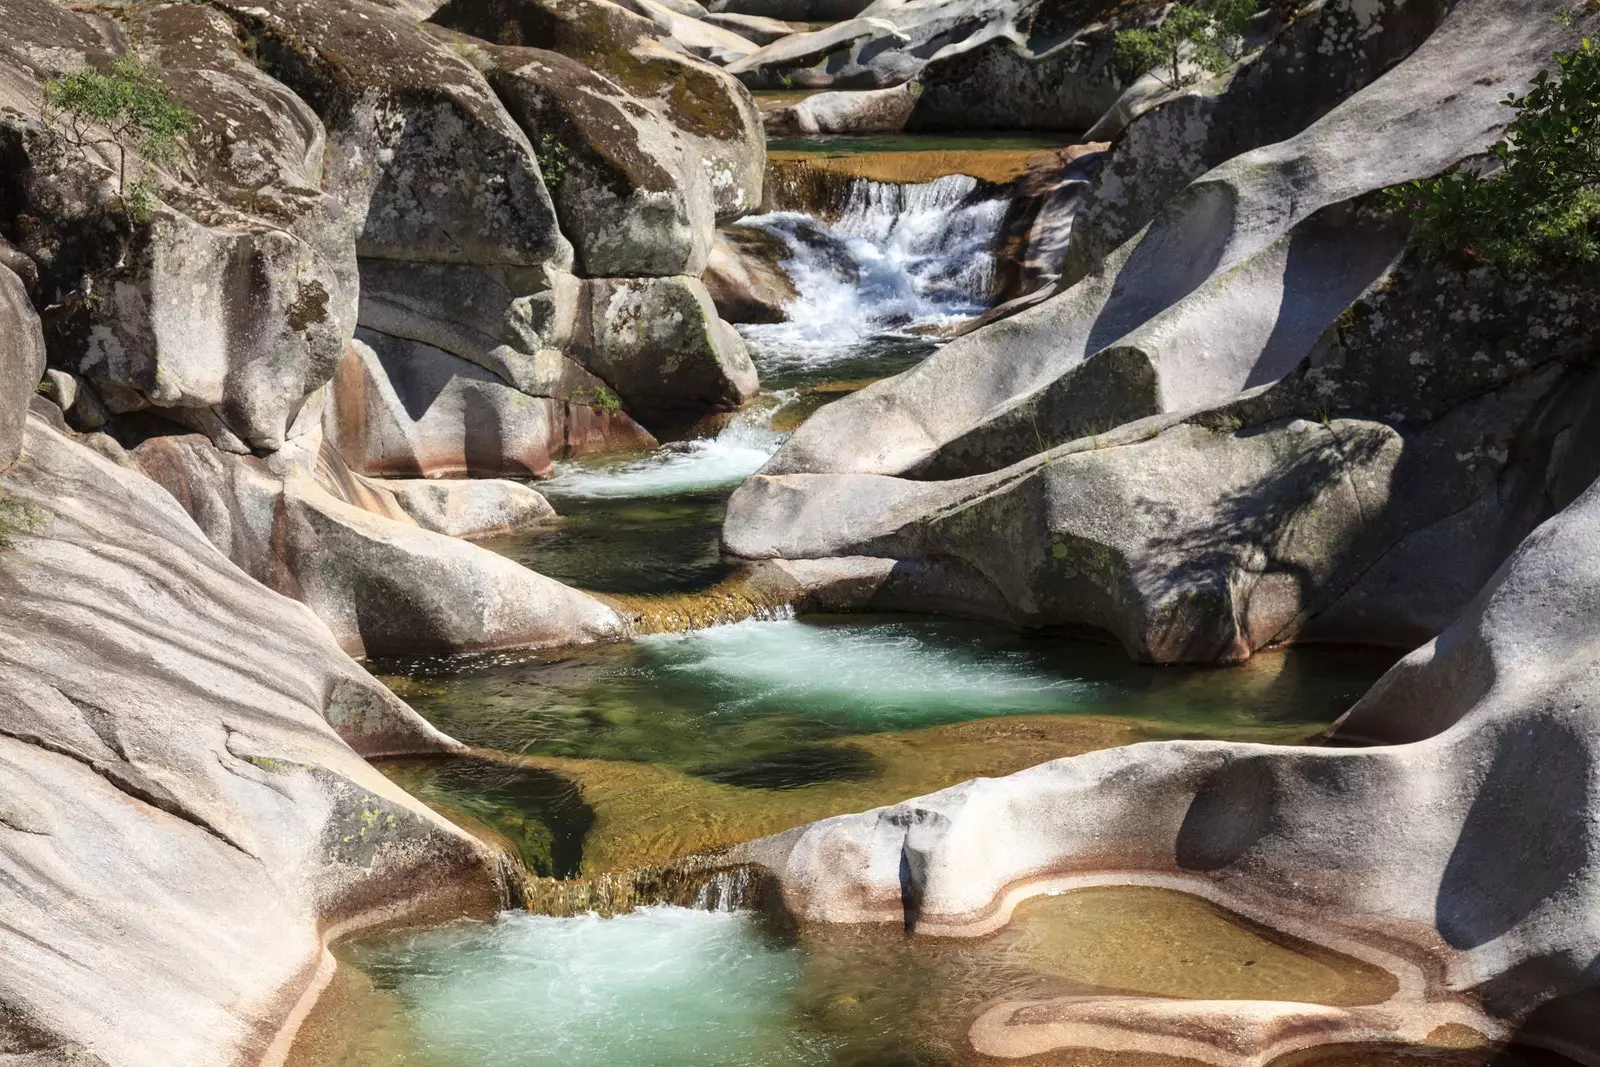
column 789, row 532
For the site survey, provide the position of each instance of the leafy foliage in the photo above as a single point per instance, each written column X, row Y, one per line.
column 123, row 106
column 1540, row 206
column 1210, row 33
column 553, row 161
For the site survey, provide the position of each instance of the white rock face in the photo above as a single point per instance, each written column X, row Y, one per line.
column 184, row 811
column 386, row 585
column 470, row 508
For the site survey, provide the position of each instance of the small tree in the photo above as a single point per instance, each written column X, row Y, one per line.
column 120, row 107
column 1538, row 204
column 1211, row 33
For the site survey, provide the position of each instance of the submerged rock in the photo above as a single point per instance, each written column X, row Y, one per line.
column 186, row 814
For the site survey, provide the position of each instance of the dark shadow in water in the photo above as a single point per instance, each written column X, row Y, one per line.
column 639, row 545
column 797, row 768
column 540, row 812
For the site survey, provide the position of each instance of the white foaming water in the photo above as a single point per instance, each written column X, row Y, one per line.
column 885, row 675
column 659, row 987
column 899, row 258
column 730, row 457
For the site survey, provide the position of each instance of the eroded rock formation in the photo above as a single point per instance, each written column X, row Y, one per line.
column 1398, row 854
column 525, row 231
column 185, row 813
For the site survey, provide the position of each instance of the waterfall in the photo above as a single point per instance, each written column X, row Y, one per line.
column 899, row 260
column 727, row 890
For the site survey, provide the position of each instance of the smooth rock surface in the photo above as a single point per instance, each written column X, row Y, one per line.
column 1206, row 537
column 184, row 810
column 385, row 587
column 1363, row 850
column 470, row 508
column 400, row 408
column 846, row 112
column 1329, row 51
column 1269, row 247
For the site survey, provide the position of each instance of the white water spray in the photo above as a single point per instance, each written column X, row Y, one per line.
column 900, row 259
column 703, row 463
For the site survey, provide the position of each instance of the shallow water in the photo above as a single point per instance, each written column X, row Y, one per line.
column 606, row 759
column 861, row 144
column 756, row 687
column 680, row 743
column 674, row 987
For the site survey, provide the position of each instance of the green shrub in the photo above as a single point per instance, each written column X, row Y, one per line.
column 123, row 106
column 1210, row 33
column 1538, row 204
column 553, row 161
column 606, row 400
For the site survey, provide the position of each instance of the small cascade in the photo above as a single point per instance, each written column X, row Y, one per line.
column 906, row 260
column 732, row 889
column 738, row 450
column 737, row 599
column 694, row 882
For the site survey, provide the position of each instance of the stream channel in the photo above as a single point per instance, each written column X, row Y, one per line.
column 605, row 759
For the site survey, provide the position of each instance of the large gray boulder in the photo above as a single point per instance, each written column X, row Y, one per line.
column 470, row 508
column 185, row 816
column 1398, row 856
column 1054, row 70
column 21, row 363
column 649, row 149
column 382, row 583
column 421, row 151
column 659, row 343
column 846, row 112
column 229, row 303
column 1229, row 286
column 1206, row 537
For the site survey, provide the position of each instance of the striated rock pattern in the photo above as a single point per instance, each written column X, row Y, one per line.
column 185, row 816
column 1270, row 246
